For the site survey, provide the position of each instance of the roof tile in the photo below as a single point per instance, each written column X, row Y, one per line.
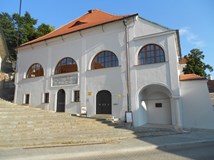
column 91, row 19
column 188, row 77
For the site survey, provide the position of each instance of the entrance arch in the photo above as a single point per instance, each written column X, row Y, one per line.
column 103, row 102
column 61, row 101
column 156, row 104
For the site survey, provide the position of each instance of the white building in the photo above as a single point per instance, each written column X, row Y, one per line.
column 109, row 65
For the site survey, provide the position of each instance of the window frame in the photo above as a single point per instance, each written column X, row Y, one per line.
column 158, row 105
column 63, row 65
column 76, row 96
column 151, row 54
column 104, row 59
column 26, row 99
column 35, row 70
column 46, row 97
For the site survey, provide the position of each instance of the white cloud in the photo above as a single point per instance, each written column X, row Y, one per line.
column 191, row 37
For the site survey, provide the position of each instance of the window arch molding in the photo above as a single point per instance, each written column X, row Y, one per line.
column 66, row 65
column 35, row 70
column 104, row 59
column 150, row 54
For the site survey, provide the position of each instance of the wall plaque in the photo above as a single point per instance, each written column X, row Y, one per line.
column 129, row 117
column 64, row 80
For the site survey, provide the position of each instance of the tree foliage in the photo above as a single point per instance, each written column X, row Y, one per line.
column 20, row 29
column 195, row 65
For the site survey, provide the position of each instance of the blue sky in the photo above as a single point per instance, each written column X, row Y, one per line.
column 194, row 18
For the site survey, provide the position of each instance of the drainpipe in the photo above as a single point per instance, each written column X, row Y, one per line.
column 127, row 66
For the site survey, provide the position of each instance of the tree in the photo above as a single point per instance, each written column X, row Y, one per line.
column 195, row 65
column 20, row 29
column 9, row 30
column 44, row 29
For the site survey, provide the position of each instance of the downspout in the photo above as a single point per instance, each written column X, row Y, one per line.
column 127, row 66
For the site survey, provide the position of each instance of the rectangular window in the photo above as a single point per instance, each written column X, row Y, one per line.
column 76, row 96
column 27, row 99
column 46, row 98
column 158, row 105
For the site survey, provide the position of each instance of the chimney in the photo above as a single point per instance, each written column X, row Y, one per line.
column 90, row 11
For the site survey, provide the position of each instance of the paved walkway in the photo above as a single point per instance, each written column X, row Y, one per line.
column 129, row 145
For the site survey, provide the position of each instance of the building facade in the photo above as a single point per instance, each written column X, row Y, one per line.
column 104, row 64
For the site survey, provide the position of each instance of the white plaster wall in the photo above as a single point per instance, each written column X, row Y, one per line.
column 197, row 109
column 106, row 79
column 34, row 87
column 165, row 74
column 82, row 47
column 144, row 27
column 160, row 115
column 111, row 79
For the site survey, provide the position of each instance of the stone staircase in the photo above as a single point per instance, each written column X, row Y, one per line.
column 22, row 126
column 26, row 127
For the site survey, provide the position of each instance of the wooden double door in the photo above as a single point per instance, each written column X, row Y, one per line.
column 103, row 102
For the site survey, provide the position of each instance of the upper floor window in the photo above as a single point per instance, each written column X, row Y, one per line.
column 35, row 70
column 104, row 59
column 151, row 53
column 66, row 65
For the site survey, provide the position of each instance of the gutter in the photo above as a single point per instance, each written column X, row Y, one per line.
column 179, row 44
column 127, row 66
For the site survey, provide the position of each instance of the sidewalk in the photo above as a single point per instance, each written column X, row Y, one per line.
column 129, row 145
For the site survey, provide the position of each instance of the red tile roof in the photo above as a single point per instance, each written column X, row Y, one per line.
column 91, row 19
column 188, row 77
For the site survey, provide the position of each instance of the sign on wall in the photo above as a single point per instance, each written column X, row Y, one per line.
column 89, row 93
column 64, row 80
column 129, row 117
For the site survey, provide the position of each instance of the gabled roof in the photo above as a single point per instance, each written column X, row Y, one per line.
column 189, row 77
column 91, row 19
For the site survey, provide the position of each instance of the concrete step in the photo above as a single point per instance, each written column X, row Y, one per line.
column 23, row 126
column 42, row 132
column 53, row 121
column 57, row 141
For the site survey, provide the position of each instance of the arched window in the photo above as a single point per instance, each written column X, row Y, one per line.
column 35, row 70
column 104, row 59
column 66, row 65
column 151, row 53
